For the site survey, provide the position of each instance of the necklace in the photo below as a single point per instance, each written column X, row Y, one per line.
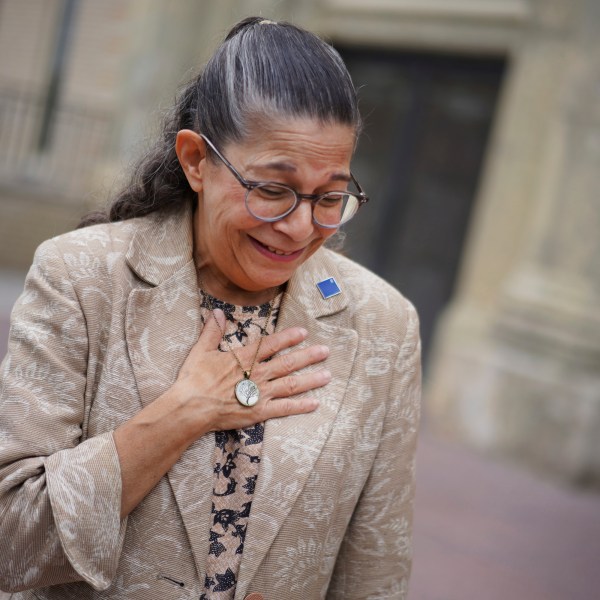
column 246, row 391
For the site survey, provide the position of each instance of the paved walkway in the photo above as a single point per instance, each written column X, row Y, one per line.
column 490, row 531
column 483, row 530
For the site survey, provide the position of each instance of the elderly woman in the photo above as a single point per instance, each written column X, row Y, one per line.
column 200, row 400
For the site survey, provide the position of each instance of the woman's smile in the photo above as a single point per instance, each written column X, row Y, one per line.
column 275, row 253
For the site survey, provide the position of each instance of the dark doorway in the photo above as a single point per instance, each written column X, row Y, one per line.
column 427, row 122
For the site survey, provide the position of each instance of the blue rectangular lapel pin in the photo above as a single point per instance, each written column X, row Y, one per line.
column 329, row 288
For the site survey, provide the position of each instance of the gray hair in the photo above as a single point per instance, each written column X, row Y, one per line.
column 265, row 69
column 262, row 70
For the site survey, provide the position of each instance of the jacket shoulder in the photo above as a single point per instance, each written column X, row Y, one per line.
column 93, row 257
column 96, row 239
column 374, row 306
column 361, row 282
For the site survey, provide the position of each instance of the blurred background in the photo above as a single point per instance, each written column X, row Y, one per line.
column 481, row 155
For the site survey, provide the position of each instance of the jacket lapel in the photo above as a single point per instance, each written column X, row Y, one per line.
column 163, row 323
column 293, row 444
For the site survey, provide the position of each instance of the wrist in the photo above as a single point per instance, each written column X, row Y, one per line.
column 186, row 413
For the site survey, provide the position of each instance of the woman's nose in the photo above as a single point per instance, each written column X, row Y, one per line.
column 298, row 225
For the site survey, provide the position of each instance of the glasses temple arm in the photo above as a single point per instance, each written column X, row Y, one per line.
column 363, row 196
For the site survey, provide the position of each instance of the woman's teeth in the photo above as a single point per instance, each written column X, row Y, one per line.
column 275, row 251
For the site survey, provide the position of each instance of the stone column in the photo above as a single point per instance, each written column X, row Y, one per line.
column 516, row 368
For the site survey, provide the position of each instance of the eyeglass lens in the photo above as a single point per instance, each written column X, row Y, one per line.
column 271, row 202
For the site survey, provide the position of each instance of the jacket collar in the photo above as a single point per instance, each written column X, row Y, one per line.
column 162, row 244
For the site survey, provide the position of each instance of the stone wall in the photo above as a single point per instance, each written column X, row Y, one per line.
column 516, row 367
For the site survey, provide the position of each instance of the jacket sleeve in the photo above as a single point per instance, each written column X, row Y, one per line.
column 59, row 496
column 374, row 560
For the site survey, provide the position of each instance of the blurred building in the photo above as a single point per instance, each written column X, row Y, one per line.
column 481, row 151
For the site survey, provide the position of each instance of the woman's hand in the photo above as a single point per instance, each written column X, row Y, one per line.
column 206, row 381
column 202, row 399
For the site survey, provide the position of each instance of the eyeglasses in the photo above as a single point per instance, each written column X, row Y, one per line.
column 270, row 201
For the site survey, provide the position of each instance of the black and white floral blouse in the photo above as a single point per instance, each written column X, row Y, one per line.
column 236, row 458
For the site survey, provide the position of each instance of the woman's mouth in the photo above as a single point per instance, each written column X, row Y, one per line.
column 275, row 253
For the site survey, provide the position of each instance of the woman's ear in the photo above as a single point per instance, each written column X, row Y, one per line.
column 191, row 152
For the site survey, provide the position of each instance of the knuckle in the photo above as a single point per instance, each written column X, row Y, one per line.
column 287, row 363
column 286, row 406
column 291, row 384
column 278, row 408
column 269, row 346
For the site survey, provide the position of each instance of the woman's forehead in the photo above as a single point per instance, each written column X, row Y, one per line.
column 289, row 145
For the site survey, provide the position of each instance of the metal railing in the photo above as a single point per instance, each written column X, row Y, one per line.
column 59, row 155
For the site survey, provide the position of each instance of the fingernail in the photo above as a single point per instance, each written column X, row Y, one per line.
column 326, row 375
column 324, row 351
column 303, row 332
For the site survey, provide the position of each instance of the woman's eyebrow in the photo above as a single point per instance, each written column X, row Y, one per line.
column 277, row 165
column 345, row 177
column 286, row 167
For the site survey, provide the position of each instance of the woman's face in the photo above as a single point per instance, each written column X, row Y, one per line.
column 236, row 251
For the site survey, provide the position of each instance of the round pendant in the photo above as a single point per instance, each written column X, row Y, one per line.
column 246, row 391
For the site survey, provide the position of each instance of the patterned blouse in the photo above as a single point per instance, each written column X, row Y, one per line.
column 236, row 459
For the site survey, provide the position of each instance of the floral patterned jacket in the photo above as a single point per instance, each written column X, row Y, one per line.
column 106, row 319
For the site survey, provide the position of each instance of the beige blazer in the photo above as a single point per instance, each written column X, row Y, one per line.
column 106, row 319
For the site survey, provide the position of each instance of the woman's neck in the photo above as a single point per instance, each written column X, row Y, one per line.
column 227, row 291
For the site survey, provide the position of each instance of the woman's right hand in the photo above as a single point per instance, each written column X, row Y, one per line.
column 206, row 381
column 202, row 399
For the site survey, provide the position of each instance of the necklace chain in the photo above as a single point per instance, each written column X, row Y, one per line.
column 247, row 372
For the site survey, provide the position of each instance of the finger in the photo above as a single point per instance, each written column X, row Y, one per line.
column 287, row 407
column 281, row 340
column 212, row 333
column 284, row 364
column 285, row 387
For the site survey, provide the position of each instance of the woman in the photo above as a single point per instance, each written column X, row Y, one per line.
column 159, row 437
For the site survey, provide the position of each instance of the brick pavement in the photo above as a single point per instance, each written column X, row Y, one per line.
column 483, row 530
column 491, row 531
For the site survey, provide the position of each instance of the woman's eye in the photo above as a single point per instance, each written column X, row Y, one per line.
column 332, row 199
column 272, row 192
